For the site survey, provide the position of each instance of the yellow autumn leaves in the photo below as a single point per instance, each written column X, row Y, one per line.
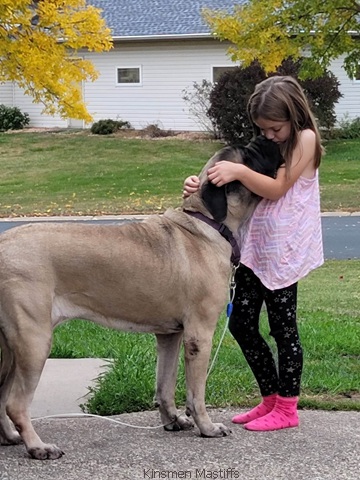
column 273, row 30
column 39, row 50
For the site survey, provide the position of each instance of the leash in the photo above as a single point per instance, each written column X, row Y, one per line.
column 229, row 309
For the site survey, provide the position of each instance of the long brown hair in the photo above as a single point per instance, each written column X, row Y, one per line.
column 281, row 99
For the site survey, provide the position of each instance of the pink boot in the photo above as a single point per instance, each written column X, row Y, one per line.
column 265, row 407
column 283, row 415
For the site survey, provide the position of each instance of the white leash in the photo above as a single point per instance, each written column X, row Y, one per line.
column 79, row 415
column 229, row 309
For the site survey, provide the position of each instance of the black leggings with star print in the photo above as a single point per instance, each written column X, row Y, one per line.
column 244, row 326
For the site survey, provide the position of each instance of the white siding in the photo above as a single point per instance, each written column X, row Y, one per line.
column 167, row 69
column 348, row 105
column 37, row 119
column 6, row 94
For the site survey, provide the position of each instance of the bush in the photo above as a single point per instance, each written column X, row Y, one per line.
column 198, row 100
column 231, row 93
column 108, row 126
column 154, row 131
column 347, row 128
column 228, row 101
column 11, row 118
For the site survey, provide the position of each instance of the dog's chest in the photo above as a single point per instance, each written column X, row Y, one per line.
column 63, row 309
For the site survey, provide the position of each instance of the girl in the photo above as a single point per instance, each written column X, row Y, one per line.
column 282, row 244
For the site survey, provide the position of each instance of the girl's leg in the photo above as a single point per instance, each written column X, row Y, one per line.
column 244, row 326
column 281, row 306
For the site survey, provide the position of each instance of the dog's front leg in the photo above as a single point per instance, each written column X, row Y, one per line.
column 30, row 351
column 197, row 344
column 168, row 347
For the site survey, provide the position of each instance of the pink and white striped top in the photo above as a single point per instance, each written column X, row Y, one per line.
column 283, row 241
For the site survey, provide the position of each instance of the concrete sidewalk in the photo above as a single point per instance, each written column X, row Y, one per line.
column 326, row 446
column 64, row 385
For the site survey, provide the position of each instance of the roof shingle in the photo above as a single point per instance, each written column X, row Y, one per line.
column 146, row 18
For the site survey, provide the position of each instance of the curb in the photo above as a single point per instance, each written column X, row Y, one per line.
column 74, row 218
column 340, row 214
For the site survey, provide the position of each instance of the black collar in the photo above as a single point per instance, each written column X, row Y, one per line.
column 224, row 231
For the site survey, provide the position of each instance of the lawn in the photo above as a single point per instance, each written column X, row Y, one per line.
column 62, row 174
column 82, row 174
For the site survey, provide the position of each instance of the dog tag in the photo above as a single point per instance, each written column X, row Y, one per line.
column 229, row 309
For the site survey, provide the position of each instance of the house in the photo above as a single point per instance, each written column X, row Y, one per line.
column 160, row 49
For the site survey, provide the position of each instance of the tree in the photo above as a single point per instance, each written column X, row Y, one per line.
column 39, row 50
column 273, row 30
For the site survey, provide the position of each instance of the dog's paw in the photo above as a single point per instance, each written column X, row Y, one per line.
column 181, row 423
column 13, row 439
column 47, row 452
column 217, row 430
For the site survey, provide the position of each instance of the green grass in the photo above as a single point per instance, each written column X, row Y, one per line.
column 63, row 174
column 78, row 174
column 82, row 174
column 329, row 324
column 340, row 176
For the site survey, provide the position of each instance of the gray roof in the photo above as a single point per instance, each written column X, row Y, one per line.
column 156, row 18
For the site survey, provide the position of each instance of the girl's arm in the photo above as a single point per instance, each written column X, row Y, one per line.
column 302, row 163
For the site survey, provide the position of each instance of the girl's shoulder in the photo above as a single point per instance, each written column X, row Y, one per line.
column 307, row 135
column 306, row 143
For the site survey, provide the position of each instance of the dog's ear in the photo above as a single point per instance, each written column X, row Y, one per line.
column 263, row 156
column 215, row 200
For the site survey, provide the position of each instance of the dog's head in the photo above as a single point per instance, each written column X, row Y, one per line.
column 233, row 203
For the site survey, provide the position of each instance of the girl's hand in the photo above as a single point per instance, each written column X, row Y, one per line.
column 191, row 185
column 224, row 172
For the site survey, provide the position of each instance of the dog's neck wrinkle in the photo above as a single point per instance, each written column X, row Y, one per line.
column 194, row 203
column 233, row 224
column 238, row 217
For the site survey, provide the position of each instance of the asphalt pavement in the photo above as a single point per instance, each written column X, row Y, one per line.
column 341, row 231
column 326, row 446
column 341, row 236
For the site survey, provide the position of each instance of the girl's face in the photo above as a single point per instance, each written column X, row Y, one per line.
column 278, row 132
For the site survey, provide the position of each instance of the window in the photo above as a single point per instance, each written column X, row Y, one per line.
column 218, row 71
column 128, row 76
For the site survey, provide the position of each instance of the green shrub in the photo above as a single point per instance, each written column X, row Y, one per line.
column 108, row 126
column 154, row 131
column 228, row 101
column 11, row 118
column 231, row 93
column 347, row 128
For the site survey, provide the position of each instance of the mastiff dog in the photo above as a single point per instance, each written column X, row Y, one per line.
column 167, row 275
